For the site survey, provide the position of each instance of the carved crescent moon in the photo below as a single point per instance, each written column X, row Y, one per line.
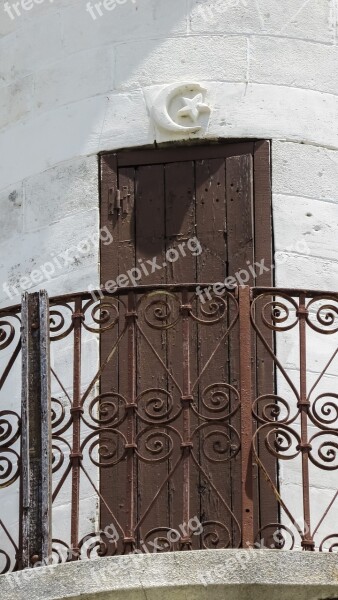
column 160, row 107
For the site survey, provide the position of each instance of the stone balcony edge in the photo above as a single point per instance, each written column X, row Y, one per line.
column 218, row 574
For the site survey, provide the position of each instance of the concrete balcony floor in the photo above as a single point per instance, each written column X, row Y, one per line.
column 216, row 574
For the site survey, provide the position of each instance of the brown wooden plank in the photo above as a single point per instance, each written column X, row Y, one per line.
column 150, row 244
column 108, row 188
column 172, row 155
column 116, row 259
column 180, row 226
column 240, row 237
column 125, row 249
column 247, row 492
column 150, row 220
column 109, row 268
column 240, row 214
column 263, row 211
column 212, row 263
column 211, row 219
column 268, row 507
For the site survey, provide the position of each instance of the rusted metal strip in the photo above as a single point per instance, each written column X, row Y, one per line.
column 246, row 416
column 187, row 398
column 36, row 431
column 25, row 463
column 139, row 290
column 294, row 292
column 303, row 405
column 129, row 540
column 46, row 428
column 10, row 364
column 76, row 411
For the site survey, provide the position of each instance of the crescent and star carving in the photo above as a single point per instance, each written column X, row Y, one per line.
column 192, row 107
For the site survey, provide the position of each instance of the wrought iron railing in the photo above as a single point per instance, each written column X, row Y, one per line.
column 179, row 420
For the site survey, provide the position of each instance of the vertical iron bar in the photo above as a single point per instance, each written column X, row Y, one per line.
column 36, row 444
column 246, row 415
column 76, row 411
column 46, row 428
column 24, row 561
column 129, row 540
column 307, row 542
column 187, row 398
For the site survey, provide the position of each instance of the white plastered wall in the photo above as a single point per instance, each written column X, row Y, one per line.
column 71, row 86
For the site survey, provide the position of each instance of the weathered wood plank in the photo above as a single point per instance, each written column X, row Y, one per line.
column 240, row 237
column 265, row 376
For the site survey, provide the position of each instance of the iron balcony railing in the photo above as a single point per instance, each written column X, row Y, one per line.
column 166, row 418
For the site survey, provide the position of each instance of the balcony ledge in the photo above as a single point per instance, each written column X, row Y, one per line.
column 230, row 574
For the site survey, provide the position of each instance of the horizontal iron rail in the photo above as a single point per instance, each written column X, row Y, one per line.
column 255, row 291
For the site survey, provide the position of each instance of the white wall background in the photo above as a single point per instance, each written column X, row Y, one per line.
column 71, row 87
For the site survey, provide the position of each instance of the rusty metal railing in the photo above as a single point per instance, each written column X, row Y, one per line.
column 180, row 421
column 10, row 437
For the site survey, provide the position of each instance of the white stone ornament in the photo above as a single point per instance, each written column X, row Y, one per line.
column 192, row 107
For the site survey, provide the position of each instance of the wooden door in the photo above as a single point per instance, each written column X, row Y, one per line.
column 182, row 216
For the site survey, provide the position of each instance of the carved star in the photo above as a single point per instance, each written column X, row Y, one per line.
column 193, row 108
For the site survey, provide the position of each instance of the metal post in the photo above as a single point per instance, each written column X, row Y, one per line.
column 303, row 405
column 129, row 539
column 76, row 412
column 187, row 399
column 246, row 415
column 36, row 450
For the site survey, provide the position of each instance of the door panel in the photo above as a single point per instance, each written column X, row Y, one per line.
column 210, row 194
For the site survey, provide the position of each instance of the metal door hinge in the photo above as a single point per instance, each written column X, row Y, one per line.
column 119, row 200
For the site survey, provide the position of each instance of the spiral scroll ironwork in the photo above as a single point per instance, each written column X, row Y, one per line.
column 106, row 448
column 324, row 450
column 271, row 408
column 8, row 558
column 323, row 314
column 220, row 442
column 10, row 430
column 215, row 535
column 329, row 543
column 323, row 411
column 178, row 421
column 278, row 313
column 275, row 536
column 156, row 405
column 61, row 321
column 287, row 422
column 214, row 310
column 106, row 419
column 220, row 402
column 161, row 309
column 102, row 315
